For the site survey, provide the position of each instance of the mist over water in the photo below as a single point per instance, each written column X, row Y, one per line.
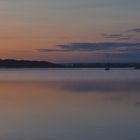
column 72, row 104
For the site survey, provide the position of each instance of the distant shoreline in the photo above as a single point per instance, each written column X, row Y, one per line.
column 12, row 63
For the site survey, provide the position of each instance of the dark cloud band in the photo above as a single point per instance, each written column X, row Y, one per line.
column 99, row 46
column 135, row 30
column 115, row 36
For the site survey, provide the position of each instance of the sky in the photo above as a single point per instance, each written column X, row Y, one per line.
column 70, row 30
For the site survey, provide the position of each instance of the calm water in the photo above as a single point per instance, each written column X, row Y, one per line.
column 69, row 104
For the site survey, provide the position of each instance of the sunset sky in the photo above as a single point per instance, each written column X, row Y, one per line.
column 70, row 30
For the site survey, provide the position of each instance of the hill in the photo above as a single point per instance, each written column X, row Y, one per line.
column 11, row 63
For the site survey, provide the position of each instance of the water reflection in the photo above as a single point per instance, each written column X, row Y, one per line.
column 70, row 109
column 102, row 86
column 126, row 91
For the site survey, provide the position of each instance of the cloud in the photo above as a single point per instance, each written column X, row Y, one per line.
column 135, row 30
column 51, row 50
column 98, row 46
column 115, row 36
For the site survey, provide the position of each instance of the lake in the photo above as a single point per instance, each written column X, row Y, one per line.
column 69, row 104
